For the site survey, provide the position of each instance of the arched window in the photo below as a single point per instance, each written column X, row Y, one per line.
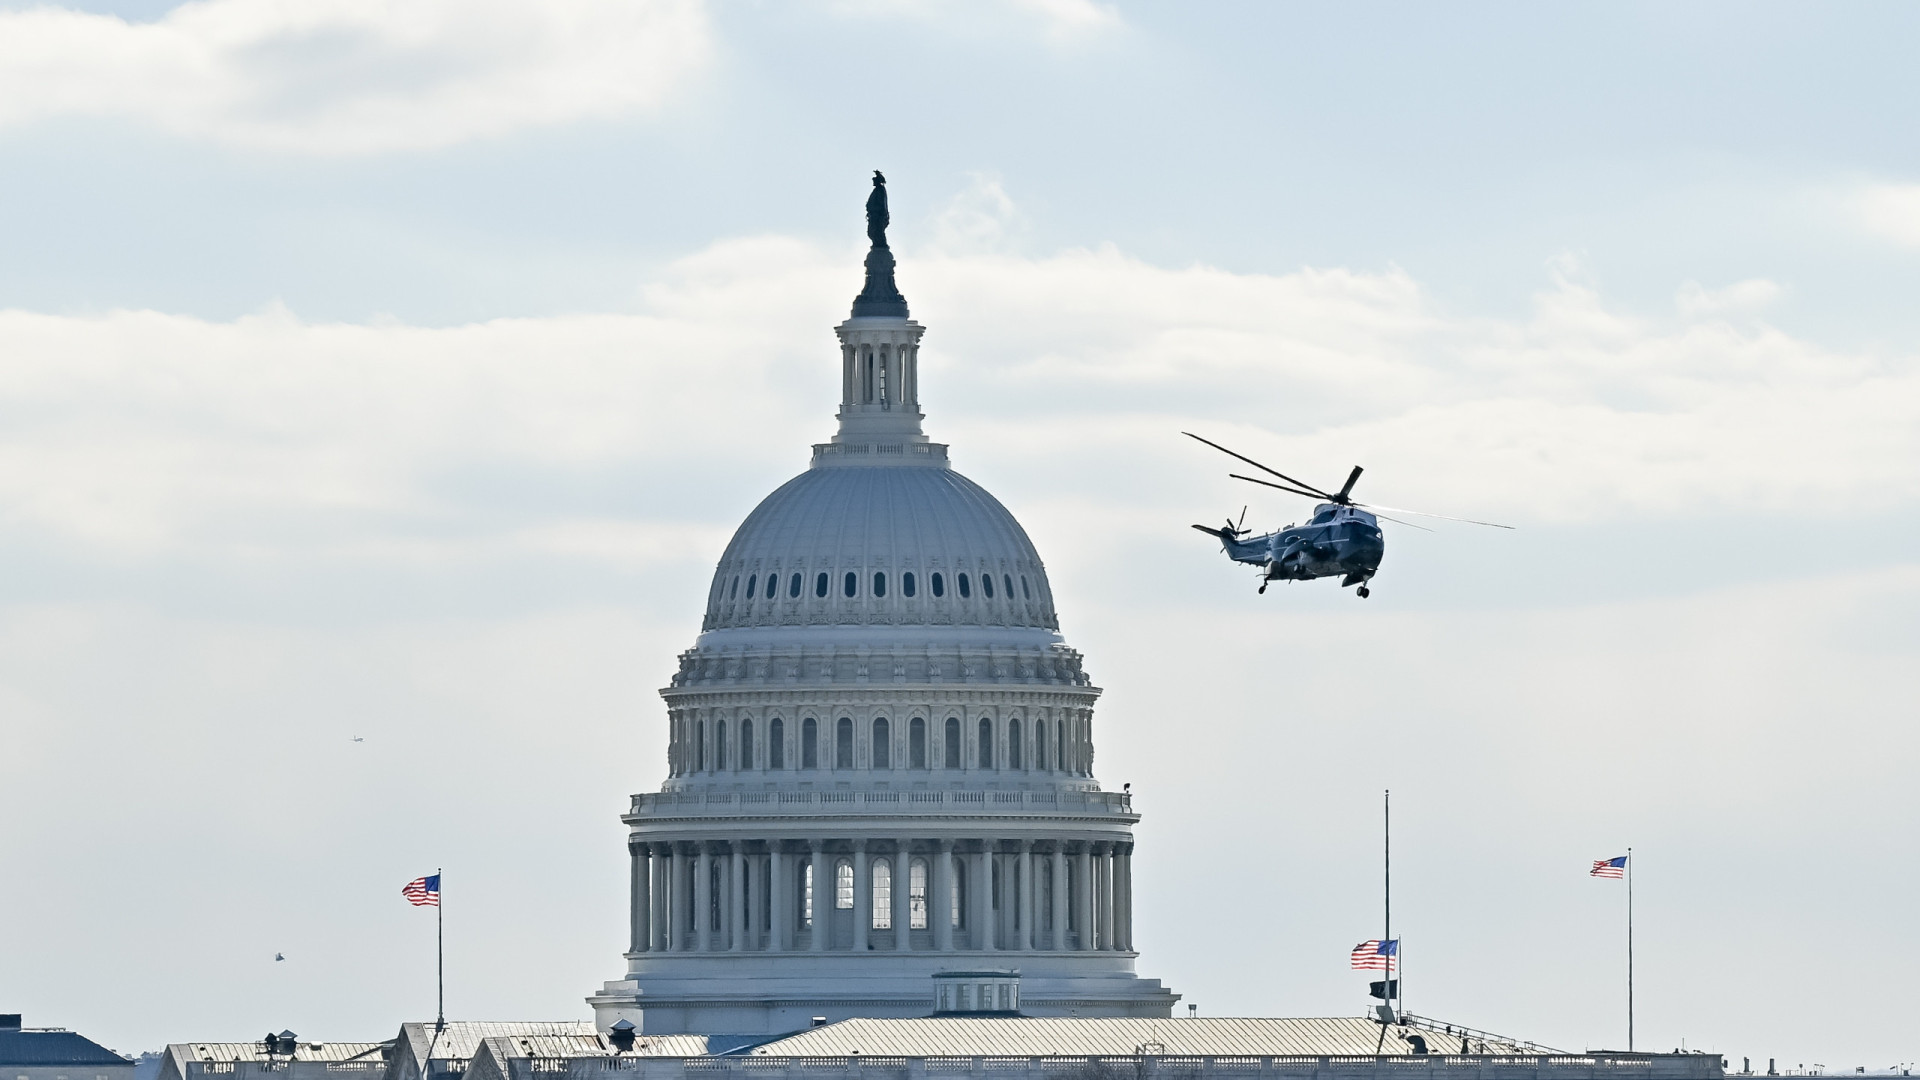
column 986, row 585
column 1025, row 593
column 906, row 584
column 965, row 589
column 820, row 584
column 917, row 894
column 939, row 585
column 882, row 894
column 746, row 744
column 793, row 587
column 733, row 590
column 1013, row 743
column 773, row 585
column 843, row 884
column 879, row 584
column 806, row 895
column 882, row 756
column 1040, row 745
column 917, row 743
column 719, row 745
column 843, row 743
column 986, row 744
column 952, row 760
column 1060, row 745
column 1007, row 580
column 809, row 743
column 753, row 585
column 777, row 744
column 700, row 747
column 852, row 584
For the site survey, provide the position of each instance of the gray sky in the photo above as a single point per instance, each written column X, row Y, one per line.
column 400, row 371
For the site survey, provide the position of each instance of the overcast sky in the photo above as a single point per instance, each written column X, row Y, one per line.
column 397, row 372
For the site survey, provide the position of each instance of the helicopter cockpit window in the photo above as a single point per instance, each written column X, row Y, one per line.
column 1323, row 517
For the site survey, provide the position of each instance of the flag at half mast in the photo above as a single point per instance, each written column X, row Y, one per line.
column 1375, row 955
column 1615, row 867
column 423, row 891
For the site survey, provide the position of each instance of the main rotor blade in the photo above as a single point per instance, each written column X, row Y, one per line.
column 1314, row 491
column 1282, row 487
column 1370, row 508
column 1397, row 521
column 1347, row 488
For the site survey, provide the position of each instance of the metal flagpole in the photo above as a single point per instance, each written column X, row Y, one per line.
column 1386, row 941
column 440, row 950
column 1629, row 950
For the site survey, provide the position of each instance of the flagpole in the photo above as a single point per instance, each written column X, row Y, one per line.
column 440, row 951
column 1629, row 950
column 1386, row 939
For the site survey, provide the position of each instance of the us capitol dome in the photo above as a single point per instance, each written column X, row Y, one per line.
column 880, row 798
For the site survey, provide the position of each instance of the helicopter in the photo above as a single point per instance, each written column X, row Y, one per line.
column 1342, row 539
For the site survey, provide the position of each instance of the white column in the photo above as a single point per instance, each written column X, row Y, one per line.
column 1124, row 875
column 780, row 895
column 1083, row 894
column 682, row 901
column 940, row 911
column 737, row 908
column 1023, row 936
column 1058, row 867
column 662, row 897
column 641, row 904
column 983, row 898
column 703, row 900
column 822, row 897
column 902, row 896
column 862, row 897
column 1107, row 936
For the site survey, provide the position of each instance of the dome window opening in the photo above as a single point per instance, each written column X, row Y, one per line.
column 809, row 743
column 1025, row 593
column 917, row 894
column 957, row 892
column 820, row 584
column 966, row 590
column 952, row 760
column 793, row 587
column 1007, row 580
column 852, row 585
column 986, row 585
column 986, row 743
column 776, row 744
column 1039, row 745
column 882, row 756
column 700, row 747
column 879, row 585
column 1013, row 744
column 906, row 584
column 939, row 585
column 843, row 884
column 746, row 745
column 720, row 746
column 733, row 590
column 753, row 585
column 917, row 743
column 773, row 585
column 882, row 905
column 806, row 896
column 843, row 743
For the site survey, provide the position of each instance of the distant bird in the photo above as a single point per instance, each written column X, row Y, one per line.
column 279, row 956
column 357, row 738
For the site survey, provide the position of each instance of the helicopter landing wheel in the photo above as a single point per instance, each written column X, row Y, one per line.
column 1363, row 592
column 1263, row 588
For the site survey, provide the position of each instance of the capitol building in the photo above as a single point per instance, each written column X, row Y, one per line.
column 881, row 797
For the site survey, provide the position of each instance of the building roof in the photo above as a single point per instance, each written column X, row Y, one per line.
column 462, row 1038
column 53, row 1046
column 254, row 1051
column 1118, row 1037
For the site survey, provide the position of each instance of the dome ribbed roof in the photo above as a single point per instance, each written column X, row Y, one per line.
column 924, row 531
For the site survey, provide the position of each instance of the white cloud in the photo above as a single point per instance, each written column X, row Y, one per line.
column 1891, row 211
column 1695, row 300
column 351, row 76
column 1060, row 22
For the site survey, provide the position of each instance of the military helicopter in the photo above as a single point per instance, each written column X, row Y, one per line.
column 1341, row 539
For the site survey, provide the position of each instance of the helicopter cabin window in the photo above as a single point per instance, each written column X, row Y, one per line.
column 965, row 589
column 906, row 584
column 939, row 585
column 820, row 584
column 986, row 585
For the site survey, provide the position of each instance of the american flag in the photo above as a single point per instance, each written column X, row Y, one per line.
column 1375, row 955
column 1615, row 867
column 423, row 891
